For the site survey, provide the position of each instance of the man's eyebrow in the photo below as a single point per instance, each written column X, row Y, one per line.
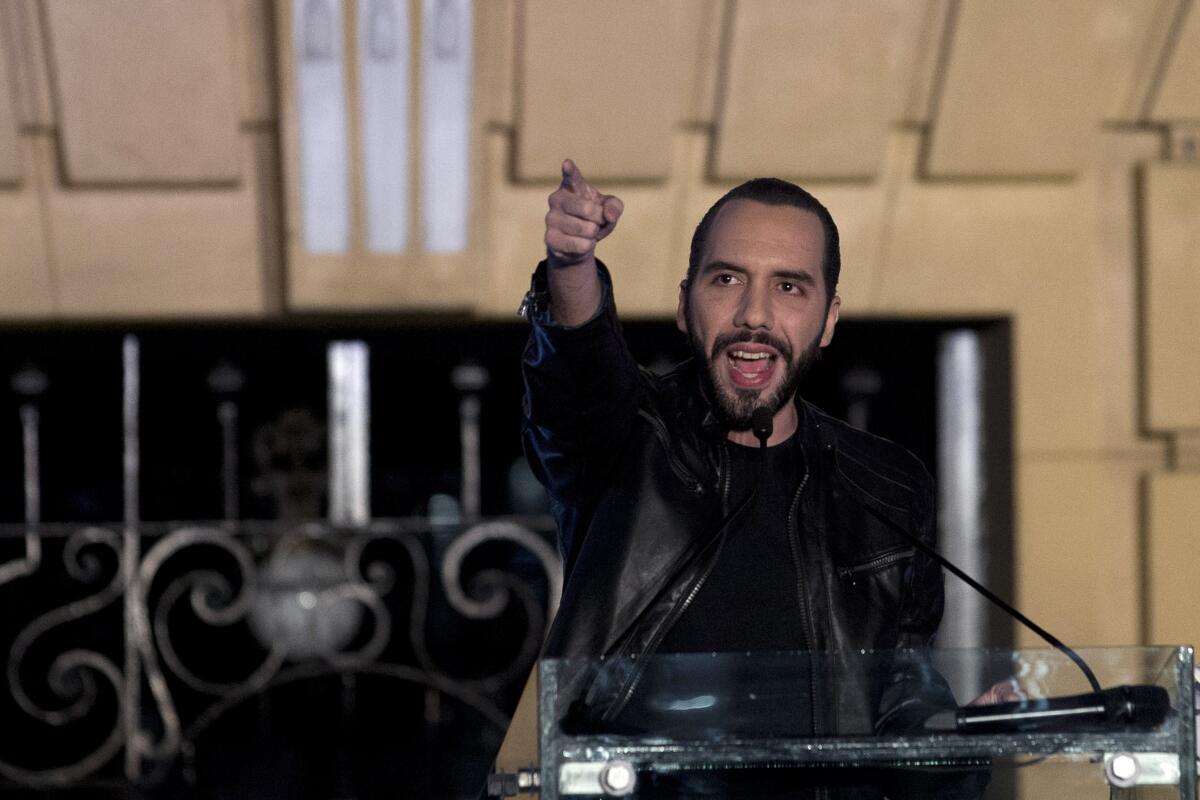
column 712, row 266
column 794, row 275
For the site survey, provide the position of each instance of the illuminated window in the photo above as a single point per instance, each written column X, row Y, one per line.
column 383, row 56
column 445, row 123
column 321, row 99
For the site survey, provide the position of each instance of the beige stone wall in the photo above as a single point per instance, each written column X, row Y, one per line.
column 981, row 158
column 1027, row 159
column 137, row 159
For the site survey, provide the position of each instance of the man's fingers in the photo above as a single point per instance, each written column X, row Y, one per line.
column 610, row 210
column 1005, row 691
column 572, row 225
column 567, row 249
column 579, row 216
column 613, row 207
column 574, row 182
column 577, row 206
column 572, row 178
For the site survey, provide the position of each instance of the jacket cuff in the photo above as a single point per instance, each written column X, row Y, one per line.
column 535, row 306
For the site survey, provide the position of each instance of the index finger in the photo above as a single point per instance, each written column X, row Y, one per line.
column 573, row 180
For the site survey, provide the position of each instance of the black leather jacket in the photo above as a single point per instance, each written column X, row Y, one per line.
column 635, row 465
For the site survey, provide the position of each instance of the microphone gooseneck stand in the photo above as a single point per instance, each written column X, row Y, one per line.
column 1143, row 706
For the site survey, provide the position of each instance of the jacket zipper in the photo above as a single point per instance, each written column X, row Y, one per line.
column 802, row 597
column 726, row 478
column 677, row 612
column 792, row 544
column 681, row 472
column 877, row 563
column 664, row 627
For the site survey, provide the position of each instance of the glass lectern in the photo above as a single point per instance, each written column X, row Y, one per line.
column 942, row 723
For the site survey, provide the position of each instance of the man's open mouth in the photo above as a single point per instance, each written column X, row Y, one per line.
column 750, row 368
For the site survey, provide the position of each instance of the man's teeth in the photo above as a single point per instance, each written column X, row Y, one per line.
column 749, row 356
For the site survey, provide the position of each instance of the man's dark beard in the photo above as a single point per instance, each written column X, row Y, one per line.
column 735, row 409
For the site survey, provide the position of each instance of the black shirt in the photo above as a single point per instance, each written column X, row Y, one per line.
column 750, row 600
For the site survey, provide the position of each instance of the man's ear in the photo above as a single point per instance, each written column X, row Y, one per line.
column 681, row 309
column 831, row 318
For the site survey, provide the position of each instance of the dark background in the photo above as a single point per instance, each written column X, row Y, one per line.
column 414, row 406
column 322, row 737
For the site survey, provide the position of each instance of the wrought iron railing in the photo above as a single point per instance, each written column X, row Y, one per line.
column 125, row 645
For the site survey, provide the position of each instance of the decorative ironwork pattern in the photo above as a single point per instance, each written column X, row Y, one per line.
column 292, row 603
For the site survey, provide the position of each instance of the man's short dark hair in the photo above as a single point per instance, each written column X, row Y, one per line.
column 774, row 192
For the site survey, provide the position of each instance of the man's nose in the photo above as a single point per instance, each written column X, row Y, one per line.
column 755, row 310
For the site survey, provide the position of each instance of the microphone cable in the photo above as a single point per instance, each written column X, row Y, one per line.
column 1017, row 615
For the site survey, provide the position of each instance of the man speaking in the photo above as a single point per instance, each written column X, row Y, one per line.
column 713, row 509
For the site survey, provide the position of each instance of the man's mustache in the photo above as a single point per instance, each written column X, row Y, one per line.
column 724, row 340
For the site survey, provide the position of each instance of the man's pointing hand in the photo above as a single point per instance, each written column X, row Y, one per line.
column 579, row 217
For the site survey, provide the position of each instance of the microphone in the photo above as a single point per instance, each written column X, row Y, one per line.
column 762, row 422
column 1141, row 707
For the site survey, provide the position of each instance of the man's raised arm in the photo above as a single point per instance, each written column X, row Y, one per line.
column 581, row 382
column 579, row 217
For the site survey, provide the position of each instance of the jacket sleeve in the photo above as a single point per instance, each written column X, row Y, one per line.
column 581, row 386
column 915, row 689
column 924, row 600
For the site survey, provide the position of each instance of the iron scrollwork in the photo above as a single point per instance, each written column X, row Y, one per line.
column 71, row 677
column 317, row 600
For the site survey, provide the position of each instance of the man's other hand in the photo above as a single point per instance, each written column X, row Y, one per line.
column 1005, row 691
column 579, row 217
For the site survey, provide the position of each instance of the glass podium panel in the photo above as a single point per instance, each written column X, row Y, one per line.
column 897, row 724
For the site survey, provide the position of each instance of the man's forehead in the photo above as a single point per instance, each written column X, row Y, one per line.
column 783, row 231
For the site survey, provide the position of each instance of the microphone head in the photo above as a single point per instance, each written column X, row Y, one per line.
column 762, row 422
column 1140, row 706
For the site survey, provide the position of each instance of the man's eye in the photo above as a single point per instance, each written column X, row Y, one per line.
column 725, row 279
column 789, row 288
